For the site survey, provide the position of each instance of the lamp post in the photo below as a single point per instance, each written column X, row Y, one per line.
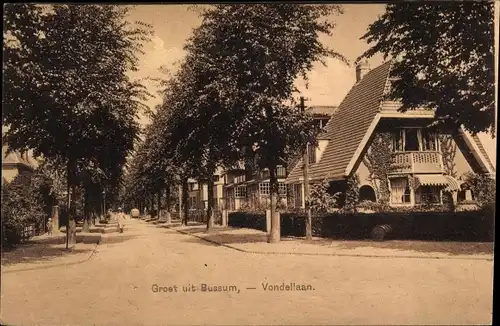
column 306, row 182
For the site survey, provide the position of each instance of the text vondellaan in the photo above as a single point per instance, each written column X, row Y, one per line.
column 204, row 287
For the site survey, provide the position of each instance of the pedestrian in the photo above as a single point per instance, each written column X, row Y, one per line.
column 49, row 226
column 121, row 220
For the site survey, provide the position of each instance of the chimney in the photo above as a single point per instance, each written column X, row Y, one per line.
column 362, row 69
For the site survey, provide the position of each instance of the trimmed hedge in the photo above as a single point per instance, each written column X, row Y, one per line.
column 250, row 220
column 457, row 226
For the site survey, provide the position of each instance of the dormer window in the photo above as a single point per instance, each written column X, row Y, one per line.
column 414, row 139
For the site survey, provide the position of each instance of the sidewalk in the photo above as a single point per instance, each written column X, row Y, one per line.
column 254, row 241
column 50, row 251
column 46, row 251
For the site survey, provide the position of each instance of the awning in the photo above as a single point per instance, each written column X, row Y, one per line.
column 453, row 184
column 431, row 180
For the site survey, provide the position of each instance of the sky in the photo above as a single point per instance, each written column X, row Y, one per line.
column 328, row 85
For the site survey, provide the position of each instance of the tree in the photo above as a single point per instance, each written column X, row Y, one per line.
column 67, row 95
column 257, row 52
column 200, row 108
column 443, row 59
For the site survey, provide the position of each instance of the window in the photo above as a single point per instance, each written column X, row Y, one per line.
column 400, row 191
column 216, row 178
column 297, row 191
column 428, row 140
column 240, row 178
column 312, row 154
column 411, row 140
column 414, row 139
column 397, row 142
column 282, row 189
column 264, row 188
column 281, row 172
column 428, row 195
column 240, row 191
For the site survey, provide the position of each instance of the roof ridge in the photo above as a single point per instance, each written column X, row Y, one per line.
column 483, row 151
column 348, row 125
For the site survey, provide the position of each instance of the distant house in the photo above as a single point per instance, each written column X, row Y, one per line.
column 247, row 187
column 15, row 163
column 198, row 192
column 423, row 163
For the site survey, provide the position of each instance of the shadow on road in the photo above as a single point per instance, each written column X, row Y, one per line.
column 452, row 248
column 80, row 238
column 35, row 253
column 118, row 239
column 200, row 241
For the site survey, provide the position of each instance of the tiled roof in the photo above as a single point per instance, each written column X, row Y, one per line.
column 483, row 152
column 348, row 125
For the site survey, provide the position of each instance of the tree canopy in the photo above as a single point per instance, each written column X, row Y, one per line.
column 67, row 95
column 443, row 58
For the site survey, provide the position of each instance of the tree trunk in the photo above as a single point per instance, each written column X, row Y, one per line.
column 167, row 194
column 210, row 206
column 181, row 218
column 274, row 235
column 71, row 224
column 86, row 212
column 150, row 207
column 159, row 203
column 185, row 200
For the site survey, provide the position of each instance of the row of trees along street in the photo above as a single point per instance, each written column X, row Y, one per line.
column 68, row 96
column 232, row 98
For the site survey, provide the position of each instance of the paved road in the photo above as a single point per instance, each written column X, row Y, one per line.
column 115, row 287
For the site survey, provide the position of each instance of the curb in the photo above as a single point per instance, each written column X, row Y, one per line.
column 60, row 264
column 327, row 255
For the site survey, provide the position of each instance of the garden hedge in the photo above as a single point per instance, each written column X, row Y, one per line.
column 450, row 226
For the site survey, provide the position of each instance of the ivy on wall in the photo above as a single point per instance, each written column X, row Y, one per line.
column 378, row 162
column 352, row 193
column 449, row 151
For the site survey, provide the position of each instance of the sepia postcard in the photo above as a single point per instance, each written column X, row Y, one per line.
column 267, row 163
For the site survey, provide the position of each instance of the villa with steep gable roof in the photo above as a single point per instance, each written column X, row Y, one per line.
column 421, row 162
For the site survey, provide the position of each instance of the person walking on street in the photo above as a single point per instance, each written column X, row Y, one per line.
column 120, row 220
column 49, row 226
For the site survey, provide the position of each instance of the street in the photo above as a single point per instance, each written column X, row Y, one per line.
column 146, row 276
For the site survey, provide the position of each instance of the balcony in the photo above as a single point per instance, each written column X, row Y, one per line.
column 416, row 162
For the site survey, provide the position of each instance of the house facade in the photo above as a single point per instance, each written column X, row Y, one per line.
column 249, row 188
column 401, row 156
column 14, row 164
column 198, row 193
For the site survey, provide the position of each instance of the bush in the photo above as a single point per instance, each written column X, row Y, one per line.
column 22, row 205
column 483, row 187
column 251, row 220
column 320, row 200
column 456, row 226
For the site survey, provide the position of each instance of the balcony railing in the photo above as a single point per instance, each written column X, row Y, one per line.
column 416, row 162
